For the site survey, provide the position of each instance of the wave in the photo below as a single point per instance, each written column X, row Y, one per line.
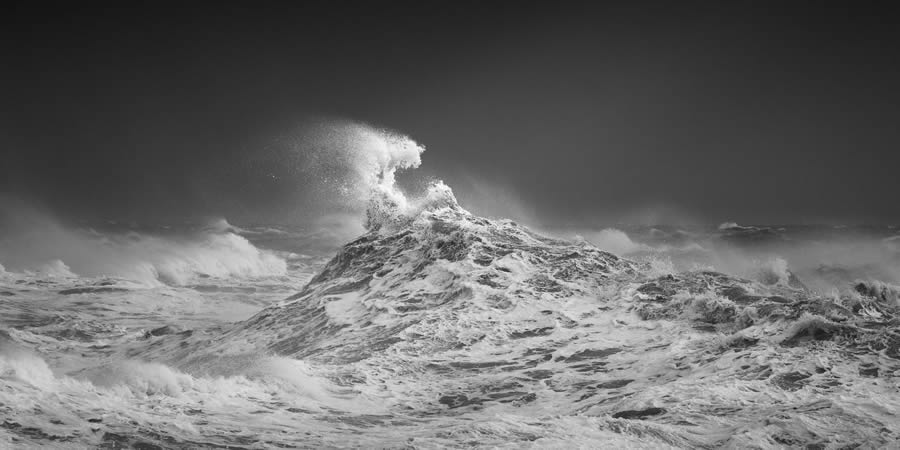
column 46, row 248
column 99, row 406
column 885, row 292
column 437, row 327
column 613, row 240
column 821, row 259
column 454, row 314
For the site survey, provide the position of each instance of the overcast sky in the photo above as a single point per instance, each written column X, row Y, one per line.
column 571, row 114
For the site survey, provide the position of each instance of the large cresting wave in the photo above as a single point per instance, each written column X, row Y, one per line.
column 438, row 328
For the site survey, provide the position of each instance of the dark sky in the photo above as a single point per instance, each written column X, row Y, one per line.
column 578, row 114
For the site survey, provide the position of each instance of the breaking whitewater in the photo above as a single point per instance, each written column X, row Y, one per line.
column 438, row 328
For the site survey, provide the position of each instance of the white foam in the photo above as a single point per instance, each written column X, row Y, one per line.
column 143, row 378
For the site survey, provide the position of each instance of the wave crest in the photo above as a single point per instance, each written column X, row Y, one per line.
column 384, row 212
column 351, row 163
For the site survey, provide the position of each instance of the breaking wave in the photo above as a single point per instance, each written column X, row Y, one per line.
column 614, row 241
column 46, row 248
column 351, row 163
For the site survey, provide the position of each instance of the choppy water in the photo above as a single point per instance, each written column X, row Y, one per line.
column 444, row 329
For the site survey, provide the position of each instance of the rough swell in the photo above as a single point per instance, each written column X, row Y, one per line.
column 438, row 328
column 470, row 331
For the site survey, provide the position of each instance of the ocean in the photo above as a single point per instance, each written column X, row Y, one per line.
column 432, row 327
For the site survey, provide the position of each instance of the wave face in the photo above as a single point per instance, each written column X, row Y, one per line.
column 438, row 328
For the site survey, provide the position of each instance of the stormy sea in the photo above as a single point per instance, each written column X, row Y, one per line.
column 427, row 326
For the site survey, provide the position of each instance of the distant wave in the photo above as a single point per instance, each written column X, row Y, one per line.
column 614, row 241
column 47, row 248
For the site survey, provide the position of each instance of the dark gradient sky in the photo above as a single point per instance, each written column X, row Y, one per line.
column 573, row 114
